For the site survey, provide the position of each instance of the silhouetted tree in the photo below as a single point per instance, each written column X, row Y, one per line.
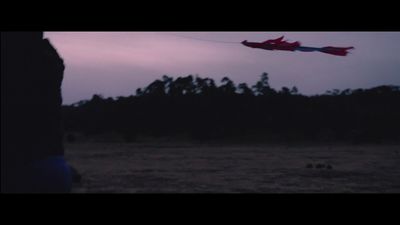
column 205, row 86
column 244, row 89
column 262, row 87
column 227, row 87
column 182, row 86
column 294, row 91
column 139, row 92
column 167, row 83
column 201, row 109
column 157, row 88
column 285, row 91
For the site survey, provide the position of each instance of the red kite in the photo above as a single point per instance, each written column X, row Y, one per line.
column 280, row 44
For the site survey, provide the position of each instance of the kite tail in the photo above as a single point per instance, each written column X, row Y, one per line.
column 336, row 51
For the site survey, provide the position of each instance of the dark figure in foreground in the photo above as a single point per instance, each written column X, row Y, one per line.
column 31, row 133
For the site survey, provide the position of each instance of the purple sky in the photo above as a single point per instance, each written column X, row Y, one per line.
column 117, row 63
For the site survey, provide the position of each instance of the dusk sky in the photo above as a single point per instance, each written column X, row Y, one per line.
column 117, row 63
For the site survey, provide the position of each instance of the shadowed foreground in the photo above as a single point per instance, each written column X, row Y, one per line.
column 195, row 168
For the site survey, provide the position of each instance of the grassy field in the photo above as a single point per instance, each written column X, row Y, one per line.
column 234, row 168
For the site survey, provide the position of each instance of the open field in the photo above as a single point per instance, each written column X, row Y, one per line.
column 199, row 168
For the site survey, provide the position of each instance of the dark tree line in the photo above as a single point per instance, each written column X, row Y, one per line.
column 201, row 109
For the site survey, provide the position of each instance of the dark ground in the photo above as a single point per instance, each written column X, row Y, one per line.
column 184, row 167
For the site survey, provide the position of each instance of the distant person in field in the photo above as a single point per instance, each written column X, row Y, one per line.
column 32, row 153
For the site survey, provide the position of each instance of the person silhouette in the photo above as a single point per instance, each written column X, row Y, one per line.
column 32, row 153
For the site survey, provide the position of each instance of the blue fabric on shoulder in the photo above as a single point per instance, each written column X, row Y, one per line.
column 49, row 175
